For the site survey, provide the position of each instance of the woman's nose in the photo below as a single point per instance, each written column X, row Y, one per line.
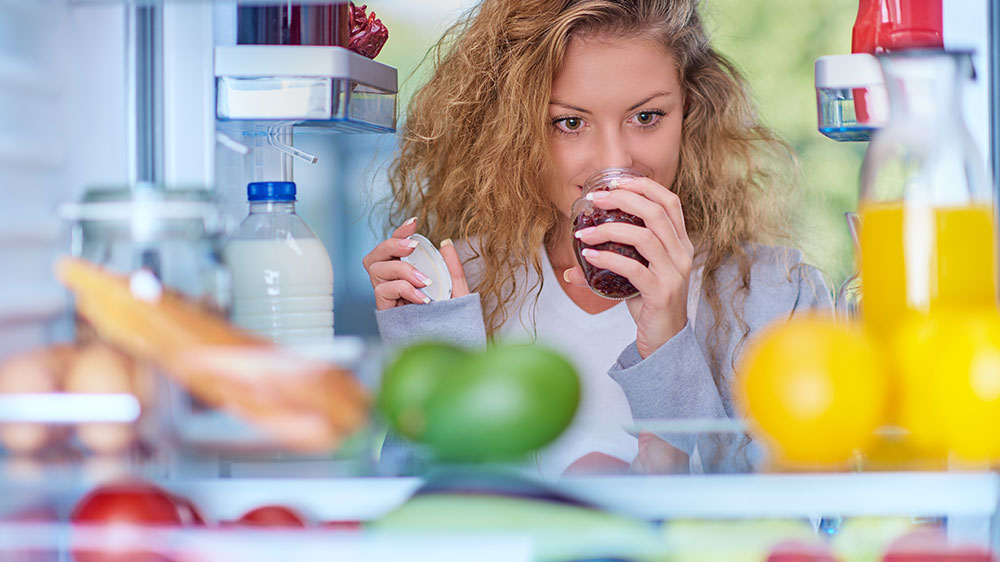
column 612, row 150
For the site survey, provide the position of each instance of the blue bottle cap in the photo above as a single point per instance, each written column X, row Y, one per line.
column 271, row 191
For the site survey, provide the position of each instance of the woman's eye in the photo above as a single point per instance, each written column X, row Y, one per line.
column 646, row 117
column 569, row 124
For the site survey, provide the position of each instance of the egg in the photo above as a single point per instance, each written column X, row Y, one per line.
column 35, row 371
column 100, row 369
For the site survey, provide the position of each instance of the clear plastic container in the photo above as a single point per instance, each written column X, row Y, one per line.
column 282, row 275
column 321, row 89
column 602, row 281
column 840, row 80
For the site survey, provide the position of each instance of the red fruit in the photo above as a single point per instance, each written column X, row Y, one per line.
column 115, row 515
column 273, row 516
column 931, row 545
column 797, row 551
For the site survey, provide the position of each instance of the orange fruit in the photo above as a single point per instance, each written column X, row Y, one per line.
column 966, row 373
column 915, row 347
column 814, row 390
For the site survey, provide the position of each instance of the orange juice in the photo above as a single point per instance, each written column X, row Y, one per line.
column 922, row 259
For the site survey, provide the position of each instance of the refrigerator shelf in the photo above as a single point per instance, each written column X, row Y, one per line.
column 68, row 408
column 319, row 89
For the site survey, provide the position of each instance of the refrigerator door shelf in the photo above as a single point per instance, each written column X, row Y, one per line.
column 320, row 89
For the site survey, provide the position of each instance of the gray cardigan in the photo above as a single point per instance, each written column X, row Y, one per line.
column 675, row 381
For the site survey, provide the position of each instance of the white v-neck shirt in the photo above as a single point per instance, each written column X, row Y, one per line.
column 592, row 342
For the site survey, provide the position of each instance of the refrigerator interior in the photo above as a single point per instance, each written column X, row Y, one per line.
column 69, row 121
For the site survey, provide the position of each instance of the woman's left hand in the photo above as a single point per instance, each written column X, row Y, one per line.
column 660, row 308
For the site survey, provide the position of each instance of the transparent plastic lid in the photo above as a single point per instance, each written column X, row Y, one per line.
column 428, row 260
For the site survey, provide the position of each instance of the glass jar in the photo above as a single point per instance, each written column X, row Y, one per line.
column 603, row 282
column 848, row 302
column 173, row 234
column 153, row 234
column 927, row 236
column 293, row 23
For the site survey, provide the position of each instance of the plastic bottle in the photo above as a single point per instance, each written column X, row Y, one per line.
column 893, row 25
column 281, row 273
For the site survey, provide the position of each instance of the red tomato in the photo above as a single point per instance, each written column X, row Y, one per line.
column 126, row 506
column 273, row 516
column 131, row 502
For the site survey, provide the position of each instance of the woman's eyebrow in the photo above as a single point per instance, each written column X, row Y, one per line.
column 568, row 106
column 587, row 112
column 649, row 99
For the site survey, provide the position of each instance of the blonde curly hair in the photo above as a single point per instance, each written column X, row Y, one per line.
column 474, row 160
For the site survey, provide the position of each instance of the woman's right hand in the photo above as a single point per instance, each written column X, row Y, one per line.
column 395, row 282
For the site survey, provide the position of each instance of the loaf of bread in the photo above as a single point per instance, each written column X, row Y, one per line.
column 306, row 404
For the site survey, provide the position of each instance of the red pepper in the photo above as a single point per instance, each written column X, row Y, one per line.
column 368, row 33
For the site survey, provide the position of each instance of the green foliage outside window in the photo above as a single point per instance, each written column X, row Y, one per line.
column 775, row 43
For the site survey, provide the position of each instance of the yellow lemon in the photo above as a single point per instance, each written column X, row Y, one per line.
column 814, row 390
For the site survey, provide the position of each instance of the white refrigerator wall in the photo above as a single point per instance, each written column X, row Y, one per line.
column 61, row 127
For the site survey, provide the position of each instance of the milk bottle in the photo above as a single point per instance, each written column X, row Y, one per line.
column 282, row 275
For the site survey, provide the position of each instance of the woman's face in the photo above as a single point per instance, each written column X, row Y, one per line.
column 615, row 103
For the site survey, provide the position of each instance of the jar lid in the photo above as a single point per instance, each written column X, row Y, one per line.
column 429, row 261
column 142, row 202
column 847, row 71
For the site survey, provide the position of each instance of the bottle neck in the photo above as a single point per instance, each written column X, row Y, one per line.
column 277, row 207
column 926, row 87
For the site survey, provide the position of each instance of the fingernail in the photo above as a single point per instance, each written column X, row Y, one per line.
column 619, row 181
column 407, row 243
column 584, row 231
column 566, row 275
column 426, row 300
column 422, row 278
column 589, row 253
column 447, row 242
column 410, row 220
column 595, row 195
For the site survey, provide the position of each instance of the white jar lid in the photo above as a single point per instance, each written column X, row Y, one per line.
column 848, row 71
column 429, row 261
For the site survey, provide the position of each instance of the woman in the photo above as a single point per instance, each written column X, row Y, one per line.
column 527, row 100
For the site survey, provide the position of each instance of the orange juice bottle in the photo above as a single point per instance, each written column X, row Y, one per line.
column 923, row 259
column 927, row 242
column 927, row 234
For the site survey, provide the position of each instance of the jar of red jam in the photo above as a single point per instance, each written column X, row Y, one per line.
column 602, row 281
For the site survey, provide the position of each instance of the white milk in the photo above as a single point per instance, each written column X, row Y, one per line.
column 282, row 289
